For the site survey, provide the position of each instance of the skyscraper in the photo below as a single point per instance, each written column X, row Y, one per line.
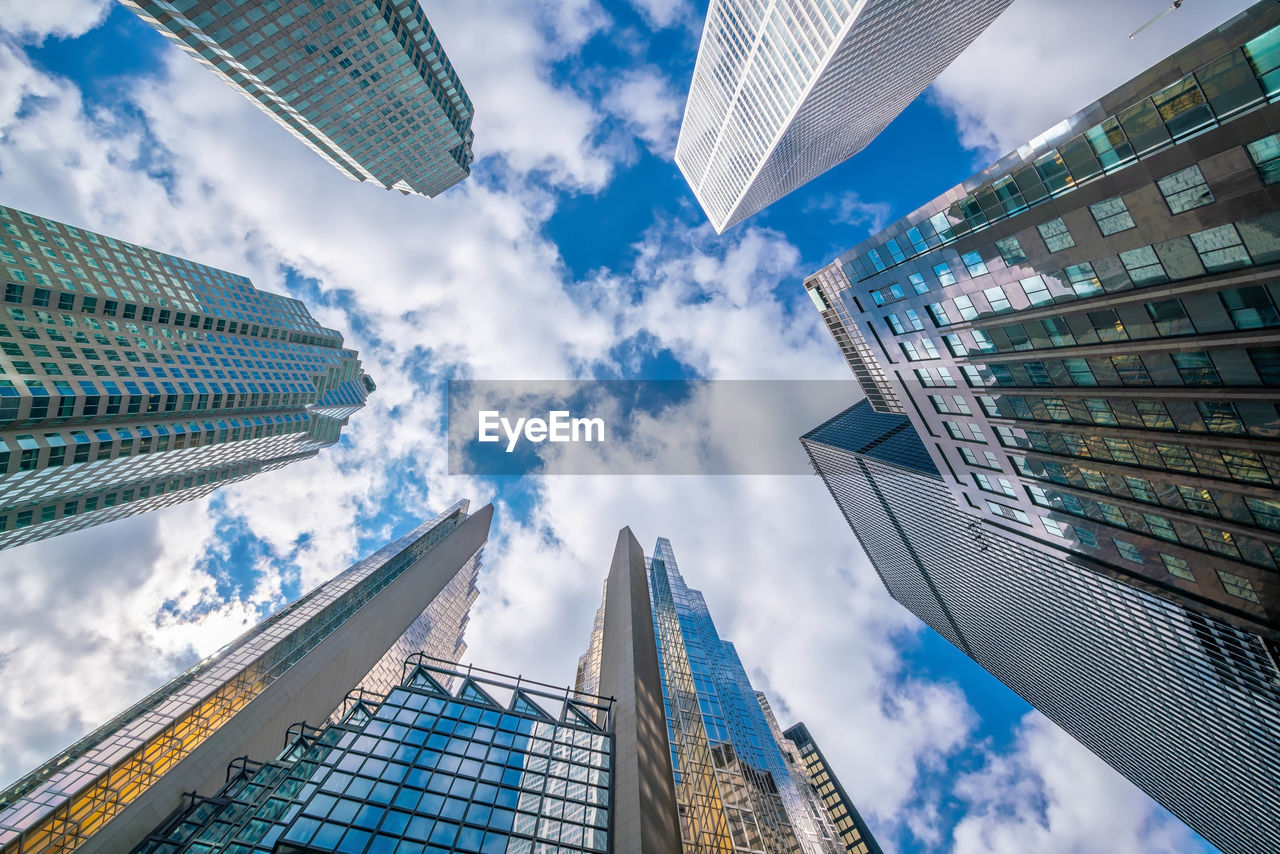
column 782, row 92
column 111, row 788
column 363, row 83
column 132, row 379
column 853, row 831
column 1084, row 334
column 738, row 785
column 1184, row 705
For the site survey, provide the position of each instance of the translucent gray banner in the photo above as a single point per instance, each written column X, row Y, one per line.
column 667, row 427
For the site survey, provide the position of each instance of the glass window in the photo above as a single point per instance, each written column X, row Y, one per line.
column 1143, row 266
column 1250, row 308
column 1266, row 512
column 1059, row 332
column 918, row 282
column 1184, row 108
column 1011, row 250
column 1196, row 368
column 1080, row 372
column 895, row 323
column 1263, row 54
column 1154, row 415
column 1266, row 361
column 1176, row 566
column 1221, row 248
column 1238, row 585
column 939, row 314
column 1170, row 317
column 1055, row 234
column 1083, row 280
column 1110, row 144
column 1037, row 291
column 1229, row 84
column 1265, row 154
column 1161, row 527
column 1220, row 416
column 1086, row 537
column 983, row 341
column 1185, row 190
column 1128, row 550
column 1131, row 370
column 973, row 261
column 1053, row 172
column 964, row 305
column 1112, row 215
column 996, row 297
column 913, row 320
column 944, row 274
column 1108, row 325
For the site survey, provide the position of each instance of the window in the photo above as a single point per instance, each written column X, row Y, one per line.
column 1083, row 280
column 1143, row 266
column 1059, row 332
column 895, row 324
column 917, row 281
column 1037, row 291
column 1266, row 512
column 1131, row 370
column 913, row 320
column 1141, row 489
column 1036, row 373
column 1221, row 248
column 1251, row 307
column 1185, row 190
column 983, row 341
column 1170, row 317
column 973, row 261
column 1056, row 528
column 964, row 305
column 1128, row 550
column 1100, row 411
column 1108, row 326
column 1161, row 527
column 939, row 314
column 1111, row 215
column 1154, row 415
column 1017, row 336
column 1198, row 500
column 1220, row 417
column 1176, row 566
column 1055, row 234
column 955, row 344
column 920, row 350
column 1266, row 361
column 1080, row 372
column 1245, row 465
column 1265, row 154
column 1086, row 537
column 1238, row 585
column 944, row 274
column 1011, row 251
column 1008, row 512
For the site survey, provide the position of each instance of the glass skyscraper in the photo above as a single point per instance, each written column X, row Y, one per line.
column 114, row 786
column 1084, row 335
column 738, row 784
column 132, row 379
column 363, row 83
column 853, row 831
column 1184, row 705
column 782, row 92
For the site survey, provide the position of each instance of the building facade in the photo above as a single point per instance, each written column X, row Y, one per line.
column 1184, row 705
column 737, row 785
column 1086, row 336
column 132, row 379
column 364, row 84
column 497, row 764
column 111, row 788
column 782, row 92
column 848, row 822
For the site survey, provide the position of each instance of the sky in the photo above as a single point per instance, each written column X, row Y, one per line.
column 574, row 251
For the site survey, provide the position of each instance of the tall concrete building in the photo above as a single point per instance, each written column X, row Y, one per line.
column 1185, row 705
column 724, row 778
column 107, row 791
column 783, row 91
column 1085, row 335
column 364, row 84
column 132, row 379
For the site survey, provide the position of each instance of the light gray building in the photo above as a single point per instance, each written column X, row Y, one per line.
column 1184, row 705
column 131, row 379
column 364, row 84
column 781, row 92
column 1086, row 337
column 107, row 791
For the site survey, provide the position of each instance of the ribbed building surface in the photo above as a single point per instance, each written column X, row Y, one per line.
column 364, row 84
column 106, row 791
column 132, row 379
column 1185, row 706
column 785, row 89
column 1086, row 334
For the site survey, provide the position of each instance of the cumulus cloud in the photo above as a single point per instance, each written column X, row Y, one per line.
column 662, row 14
column 33, row 22
column 649, row 106
column 851, row 209
column 987, row 91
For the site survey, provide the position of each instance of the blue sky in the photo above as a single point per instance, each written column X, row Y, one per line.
column 574, row 251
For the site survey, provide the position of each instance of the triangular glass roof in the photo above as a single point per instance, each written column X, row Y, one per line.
column 574, row 714
column 423, row 679
column 472, row 691
column 523, row 705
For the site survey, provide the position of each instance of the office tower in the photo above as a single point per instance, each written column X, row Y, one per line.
column 363, row 83
column 1185, row 706
column 132, row 379
column 110, row 789
column 737, row 786
column 782, row 92
column 853, row 831
column 1084, row 335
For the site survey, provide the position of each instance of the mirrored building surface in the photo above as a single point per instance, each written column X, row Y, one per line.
column 1184, row 705
column 364, row 84
column 1086, row 336
column 110, row 789
column 782, row 92
column 132, row 379
column 848, row 822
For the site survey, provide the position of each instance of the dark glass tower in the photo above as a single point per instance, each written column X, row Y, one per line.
column 1184, row 705
column 131, row 379
column 363, row 83
column 111, row 788
column 844, row 815
column 1086, row 337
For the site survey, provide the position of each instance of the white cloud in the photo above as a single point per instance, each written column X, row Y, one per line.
column 33, row 21
column 851, row 209
column 1022, row 76
column 662, row 14
column 645, row 100
column 1051, row 796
